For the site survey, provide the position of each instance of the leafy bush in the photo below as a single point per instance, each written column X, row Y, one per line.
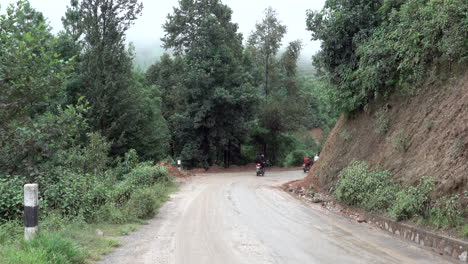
column 413, row 200
column 295, row 158
column 11, row 197
column 146, row 175
column 69, row 193
column 382, row 122
column 400, row 141
column 446, row 212
column 387, row 45
column 360, row 186
column 130, row 203
column 464, row 232
column 143, row 203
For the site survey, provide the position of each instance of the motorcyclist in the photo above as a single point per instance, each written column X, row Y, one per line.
column 307, row 161
column 261, row 159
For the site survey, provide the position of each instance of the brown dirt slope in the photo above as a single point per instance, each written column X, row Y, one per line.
column 434, row 124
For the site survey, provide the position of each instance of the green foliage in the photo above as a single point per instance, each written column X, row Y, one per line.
column 123, row 107
column 45, row 249
column 127, row 229
column 11, row 197
column 71, row 193
column 413, row 200
column 146, row 175
column 371, row 189
column 280, row 115
column 345, row 134
column 295, row 158
column 31, row 73
column 220, row 100
column 381, row 46
column 265, row 42
column 9, row 231
column 289, row 63
column 43, row 140
column 446, row 212
column 360, row 186
column 381, row 121
column 464, row 232
column 400, row 140
column 145, row 201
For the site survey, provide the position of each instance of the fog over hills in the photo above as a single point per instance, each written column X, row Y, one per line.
column 147, row 31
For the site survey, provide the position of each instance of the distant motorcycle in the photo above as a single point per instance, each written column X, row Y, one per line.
column 260, row 170
column 306, row 167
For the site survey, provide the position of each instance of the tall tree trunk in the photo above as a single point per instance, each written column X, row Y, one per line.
column 267, row 73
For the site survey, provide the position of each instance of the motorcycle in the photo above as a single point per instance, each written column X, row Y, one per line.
column 260, row 170
column 306, row 167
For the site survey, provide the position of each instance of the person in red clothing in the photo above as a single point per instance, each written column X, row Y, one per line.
column 307, row 163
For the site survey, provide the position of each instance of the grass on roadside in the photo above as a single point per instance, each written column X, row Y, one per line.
column 65, row 240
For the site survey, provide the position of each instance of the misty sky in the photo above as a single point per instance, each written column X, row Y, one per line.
column 147, row 31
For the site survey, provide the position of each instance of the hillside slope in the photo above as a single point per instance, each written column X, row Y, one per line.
column 432, row 126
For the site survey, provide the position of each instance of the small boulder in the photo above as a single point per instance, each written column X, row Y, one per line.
column 99, row 232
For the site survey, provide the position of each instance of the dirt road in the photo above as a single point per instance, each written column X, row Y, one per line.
column 236, row 218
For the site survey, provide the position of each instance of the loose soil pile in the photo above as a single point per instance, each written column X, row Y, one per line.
column 173, row 170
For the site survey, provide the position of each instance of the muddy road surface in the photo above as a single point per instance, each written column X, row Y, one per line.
column 237, row 218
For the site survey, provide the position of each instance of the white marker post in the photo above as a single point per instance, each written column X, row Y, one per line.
column 31, row 211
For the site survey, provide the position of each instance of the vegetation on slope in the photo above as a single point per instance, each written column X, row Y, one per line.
column 373, row 48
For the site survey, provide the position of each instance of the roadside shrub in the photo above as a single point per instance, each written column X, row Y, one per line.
column 122, row 191
column 112, row 213
column 413, row 200
column 142, row 203
column 74, row 194
column 360, row 186
column 294, row 158
column 11, row 197
column 446, row 212
column 464, row 231
column 146, row 175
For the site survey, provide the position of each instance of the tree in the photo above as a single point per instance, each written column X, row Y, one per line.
column 266, row 41
column 219, row 100
column 167, row 75
column 341, row 26
column 289, row 63
column 31, row 73
column 119, row 102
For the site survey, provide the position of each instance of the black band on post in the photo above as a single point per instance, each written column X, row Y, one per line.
column 31, row 218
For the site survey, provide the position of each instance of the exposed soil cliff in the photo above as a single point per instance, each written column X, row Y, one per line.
column 411, row 136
